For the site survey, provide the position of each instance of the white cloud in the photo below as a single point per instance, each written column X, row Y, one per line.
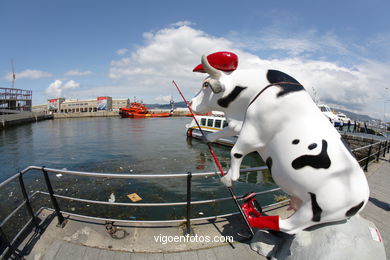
column 171, row 54
column 168, row 54
column 182, row 23
column 70, row 84
column 122, row 51
column 280, row 43
column 29, row 74
column 78, row 73
column 56, row 88
column 163, row 99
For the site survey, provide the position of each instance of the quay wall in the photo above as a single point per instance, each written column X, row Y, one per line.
column 22, row 118
column 86, row 114
column 113, row 113
column 355, row 141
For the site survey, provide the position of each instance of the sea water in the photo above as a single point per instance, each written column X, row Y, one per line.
column 116, row 145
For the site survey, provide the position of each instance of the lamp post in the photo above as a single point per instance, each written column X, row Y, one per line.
column 384, row 107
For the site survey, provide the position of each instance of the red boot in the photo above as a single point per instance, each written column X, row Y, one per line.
column 254, row 216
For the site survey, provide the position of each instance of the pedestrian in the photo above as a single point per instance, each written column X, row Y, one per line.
column 349, row 125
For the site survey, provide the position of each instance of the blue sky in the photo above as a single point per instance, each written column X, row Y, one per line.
column 82, row 49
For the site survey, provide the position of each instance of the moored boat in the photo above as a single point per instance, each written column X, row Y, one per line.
column 333, row 118
column 210, row 124
column 139, row 110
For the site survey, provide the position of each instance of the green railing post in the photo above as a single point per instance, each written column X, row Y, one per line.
column 28, row 204
column 379, row 151
column 188, row 223
column 60, row 217
column 368, row 158
column 388, row 147
column 4, row 239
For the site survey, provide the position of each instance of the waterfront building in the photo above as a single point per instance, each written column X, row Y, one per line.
column 14, row 100
column 62, row 105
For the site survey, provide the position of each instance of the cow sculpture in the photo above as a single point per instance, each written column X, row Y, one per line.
column 275, row 116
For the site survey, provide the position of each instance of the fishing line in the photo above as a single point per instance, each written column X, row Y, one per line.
column 217, row 163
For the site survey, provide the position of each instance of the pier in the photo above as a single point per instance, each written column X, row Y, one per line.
column 22, row 118
column 95, row 238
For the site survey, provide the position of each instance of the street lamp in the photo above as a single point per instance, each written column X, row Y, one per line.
column 384, row 107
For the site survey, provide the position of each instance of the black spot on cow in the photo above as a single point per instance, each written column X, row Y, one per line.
column 287, row 83
column 315, row 208
column 312, row 146
column 237, row 155
column 352, row 211
column 225, row 102
column 268, row 162
column 319, row 161
column 276, row 76
column 295, row 141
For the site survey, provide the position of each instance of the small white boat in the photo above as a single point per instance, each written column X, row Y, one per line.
column 333, row 118
column 210, row 124
column 343, row 118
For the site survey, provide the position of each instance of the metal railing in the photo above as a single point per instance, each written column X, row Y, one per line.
column 60, row 213
column 373, row 153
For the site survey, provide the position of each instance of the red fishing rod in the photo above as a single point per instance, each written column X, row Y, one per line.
column 215, row 160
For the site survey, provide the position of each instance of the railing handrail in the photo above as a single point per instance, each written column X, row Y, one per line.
column 122, row 175
column 113, row 175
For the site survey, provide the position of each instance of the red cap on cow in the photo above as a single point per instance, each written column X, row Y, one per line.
column 223, row 60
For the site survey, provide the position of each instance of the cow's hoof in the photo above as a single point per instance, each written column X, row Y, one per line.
column 226, row 181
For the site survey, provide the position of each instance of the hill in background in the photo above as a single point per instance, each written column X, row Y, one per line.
column 353, row 116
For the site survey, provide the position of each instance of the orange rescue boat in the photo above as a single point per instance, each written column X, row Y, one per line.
column 139, row 110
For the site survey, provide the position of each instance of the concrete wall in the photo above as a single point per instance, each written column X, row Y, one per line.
column 361, row 141
column 86, row 114
column 358, row 141
column 22, row 118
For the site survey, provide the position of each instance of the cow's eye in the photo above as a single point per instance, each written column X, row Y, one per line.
column 206, row 84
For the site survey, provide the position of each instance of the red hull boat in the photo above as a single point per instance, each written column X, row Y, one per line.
column 139, row 110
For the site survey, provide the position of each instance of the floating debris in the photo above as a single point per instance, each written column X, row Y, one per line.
column 201, row 213
column 72, row 209
column 59, row 175
column 112, row 198
column 132, row 218
column 131, row 170
column 11, row 193
column 134, row 197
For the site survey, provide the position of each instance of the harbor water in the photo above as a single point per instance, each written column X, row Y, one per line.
column 115, row 145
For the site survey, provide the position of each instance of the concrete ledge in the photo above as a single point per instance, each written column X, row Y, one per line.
column 86, row 114
column 22, row 118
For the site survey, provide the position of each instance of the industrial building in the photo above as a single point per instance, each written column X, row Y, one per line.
column 14, row 100
column 62, row 105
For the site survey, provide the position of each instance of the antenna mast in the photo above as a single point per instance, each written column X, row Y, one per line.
column 13, row 74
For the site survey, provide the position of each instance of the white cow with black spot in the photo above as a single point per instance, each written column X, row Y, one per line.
column 275, row 116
